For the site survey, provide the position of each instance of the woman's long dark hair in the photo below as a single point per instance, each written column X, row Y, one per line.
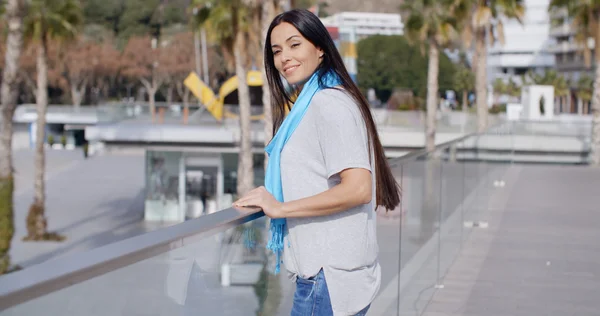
column 309, row 25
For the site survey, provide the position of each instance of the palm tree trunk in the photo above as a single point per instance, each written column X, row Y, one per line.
column 428, row 211
column 268, row 13
column 36, row 221
column 9, row 92
column 245, row 172
column 595, row 144
column 481, row 81
column 432, row 95
column 465, row 101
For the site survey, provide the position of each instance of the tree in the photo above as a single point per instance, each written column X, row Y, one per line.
column 464, row 81
column 585, row 92
column 512, row 88
column 551, row 78
column 13, row 15
column 2, row 42
column 486, row 25
column 28, row 69
column 270, row 9
column 228, row 21
column 181, row 52
column 46, row 20
column 267, row 289
column 146, row 60
column 28, row 72
column 389, row 62
column 77, row 68
column 106, row 69
column 431, row 24
column 127, row 18
column 500, row 87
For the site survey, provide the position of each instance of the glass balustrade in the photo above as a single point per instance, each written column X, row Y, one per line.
column 446, row 194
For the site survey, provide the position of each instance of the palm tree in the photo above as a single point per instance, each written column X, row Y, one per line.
column 552, row 78
column 464, row 81
column 431, row 24
column 585, row 92
column 270, row 9
column 585, row 18
column 46, row 20
column 228, row 21
column 500, row 87
column 485, row 25
column 13, row 15
column 512, row 88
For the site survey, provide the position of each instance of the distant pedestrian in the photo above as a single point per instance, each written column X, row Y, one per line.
column 327, row 172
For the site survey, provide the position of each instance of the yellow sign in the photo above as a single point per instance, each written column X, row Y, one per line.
column 214, row 103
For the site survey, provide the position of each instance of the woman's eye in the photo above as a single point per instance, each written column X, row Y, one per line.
column 295, row 45
column 276, row 52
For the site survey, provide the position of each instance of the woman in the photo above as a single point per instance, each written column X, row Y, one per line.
column 327, row 172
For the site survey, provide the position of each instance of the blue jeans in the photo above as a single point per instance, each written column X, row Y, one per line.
column 312, row 298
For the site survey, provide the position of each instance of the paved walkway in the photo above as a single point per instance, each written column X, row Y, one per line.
column 540, row 254
column 92, row 202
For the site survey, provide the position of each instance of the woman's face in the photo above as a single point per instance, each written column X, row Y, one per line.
column 294, row 56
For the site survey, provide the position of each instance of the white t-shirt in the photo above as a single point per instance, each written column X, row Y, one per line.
column 331, row 137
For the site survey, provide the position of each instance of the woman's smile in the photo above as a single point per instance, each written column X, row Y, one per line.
column 288, row 70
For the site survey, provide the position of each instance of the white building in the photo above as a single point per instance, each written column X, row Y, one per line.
column 526, row 44
column 366, row 24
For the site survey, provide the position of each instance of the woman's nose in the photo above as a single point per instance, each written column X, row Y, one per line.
column 285, row 57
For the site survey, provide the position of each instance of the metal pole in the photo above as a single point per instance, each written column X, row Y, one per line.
column 204, row 57
column 197, row 51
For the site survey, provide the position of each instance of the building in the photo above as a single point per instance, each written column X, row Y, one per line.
column 366, row 23
column 569, row 56
column 568, row 52
column 526, row 44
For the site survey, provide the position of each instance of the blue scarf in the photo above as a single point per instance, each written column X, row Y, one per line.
column 274, row 148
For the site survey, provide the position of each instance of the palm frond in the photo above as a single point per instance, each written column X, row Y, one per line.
column 57, row 19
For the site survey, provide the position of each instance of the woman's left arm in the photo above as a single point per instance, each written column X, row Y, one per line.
column 354, row 189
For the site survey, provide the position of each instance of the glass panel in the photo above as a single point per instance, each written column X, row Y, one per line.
column 476, row 180
column 203, row 174
column 388, row 239
column 224, row 274
column 420, row 243
column 452, row 198
column 163, row 186
column 230, row 165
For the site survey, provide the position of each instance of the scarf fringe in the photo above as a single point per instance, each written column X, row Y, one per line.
column 275, row 244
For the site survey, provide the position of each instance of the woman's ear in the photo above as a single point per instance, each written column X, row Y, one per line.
column 321, row 53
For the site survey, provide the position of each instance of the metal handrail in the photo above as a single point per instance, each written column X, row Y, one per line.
column 38, row 280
